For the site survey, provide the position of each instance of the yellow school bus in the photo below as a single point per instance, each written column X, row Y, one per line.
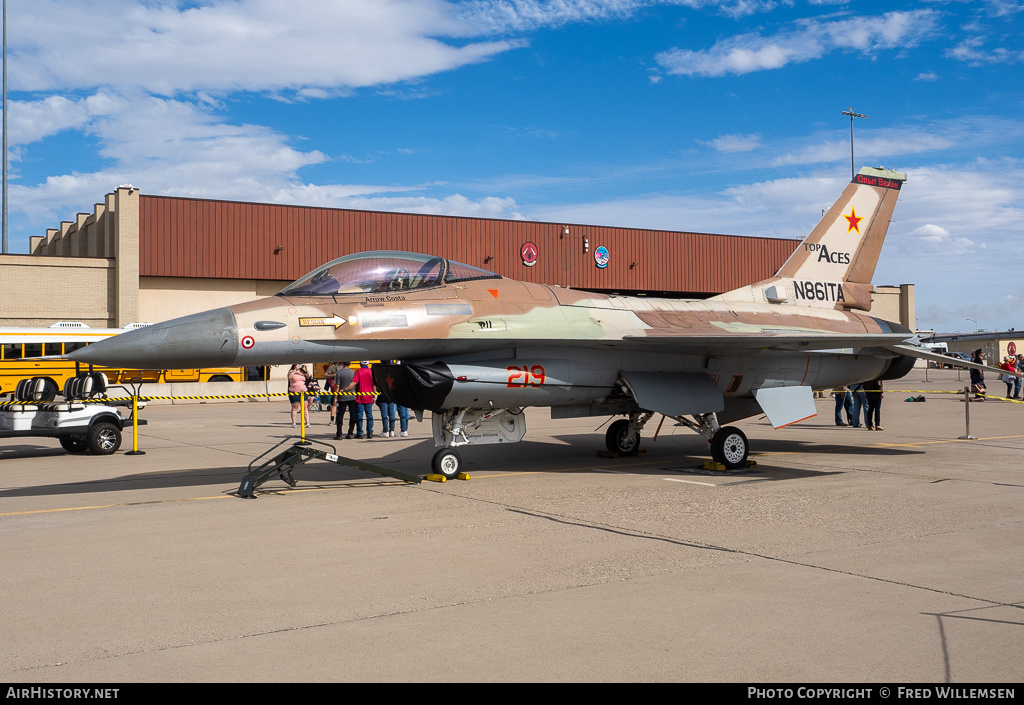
column 23, row 352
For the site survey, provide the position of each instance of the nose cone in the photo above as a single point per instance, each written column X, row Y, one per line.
column 208, row 339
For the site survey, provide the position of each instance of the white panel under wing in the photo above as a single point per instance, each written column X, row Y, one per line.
column 786, row 405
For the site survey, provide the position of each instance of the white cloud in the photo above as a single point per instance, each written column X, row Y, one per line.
column 900, row 142
column 971, row 51
column 811, row 39
column 175, row 148
column 166, row 47
column 730, row 144
column 940, row 239
column 500, row 16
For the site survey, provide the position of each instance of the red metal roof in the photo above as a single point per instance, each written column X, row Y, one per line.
column 186, row 237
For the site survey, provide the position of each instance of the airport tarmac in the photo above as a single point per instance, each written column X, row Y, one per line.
column 847, row 555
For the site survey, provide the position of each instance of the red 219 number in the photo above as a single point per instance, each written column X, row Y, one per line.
column 525, row 376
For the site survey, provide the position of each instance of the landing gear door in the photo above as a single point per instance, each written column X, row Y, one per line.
column 675, row 393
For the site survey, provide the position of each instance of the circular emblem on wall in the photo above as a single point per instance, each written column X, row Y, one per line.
column 1011, row 348
column 529, row 253
column 601, row 257
column 248, row 342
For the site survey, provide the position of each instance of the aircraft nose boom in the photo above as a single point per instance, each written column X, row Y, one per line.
column 208, row 339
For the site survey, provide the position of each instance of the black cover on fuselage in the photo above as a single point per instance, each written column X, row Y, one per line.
column 416, row 385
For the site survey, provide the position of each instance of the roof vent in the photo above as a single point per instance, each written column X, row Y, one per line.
column 69, row 324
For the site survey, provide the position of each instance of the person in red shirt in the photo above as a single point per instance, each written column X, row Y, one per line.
column 362, row 382
column 1010, row 365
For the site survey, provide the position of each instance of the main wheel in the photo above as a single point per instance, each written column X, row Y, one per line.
column 729, row 447
column 104, row 438
column 74, row 444
column 447, row 462
column 617, row 439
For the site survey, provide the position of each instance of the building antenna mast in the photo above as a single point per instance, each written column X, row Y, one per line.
column 853, row 172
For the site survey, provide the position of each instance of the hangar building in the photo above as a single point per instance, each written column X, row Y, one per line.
column 141, row 258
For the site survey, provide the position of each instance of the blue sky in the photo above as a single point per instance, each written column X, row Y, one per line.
column 678, row 114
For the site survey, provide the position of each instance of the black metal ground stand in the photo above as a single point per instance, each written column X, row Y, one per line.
column 284, row 463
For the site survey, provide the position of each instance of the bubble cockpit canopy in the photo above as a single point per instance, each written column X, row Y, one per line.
column 382, row 271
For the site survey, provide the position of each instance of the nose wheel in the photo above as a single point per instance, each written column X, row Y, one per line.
column 447, row 462
column 729, row 447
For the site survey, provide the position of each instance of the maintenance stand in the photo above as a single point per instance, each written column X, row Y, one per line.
column 301, row 451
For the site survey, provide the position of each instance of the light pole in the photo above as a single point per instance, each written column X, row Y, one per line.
column 5, row 132
column 853, row 173
column 974, row 322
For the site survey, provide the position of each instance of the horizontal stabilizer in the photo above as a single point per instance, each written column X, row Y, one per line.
column 675, row 393
column 786, row 405
column 947, row 360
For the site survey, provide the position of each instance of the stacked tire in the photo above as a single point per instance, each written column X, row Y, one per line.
column 36, row 389
column 87, row 385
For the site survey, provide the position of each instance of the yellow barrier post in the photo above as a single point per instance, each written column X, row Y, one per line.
column 302, row 418
column 135, row 425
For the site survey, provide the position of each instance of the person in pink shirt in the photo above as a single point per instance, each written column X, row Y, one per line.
column 296, row 385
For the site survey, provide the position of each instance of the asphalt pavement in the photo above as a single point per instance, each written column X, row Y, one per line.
column 846, row 555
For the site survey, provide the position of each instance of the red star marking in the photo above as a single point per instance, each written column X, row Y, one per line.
column 853, row 220
column 493, row 292
column 390, row 382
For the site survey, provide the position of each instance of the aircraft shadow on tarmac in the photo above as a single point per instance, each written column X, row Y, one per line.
column 673, row 455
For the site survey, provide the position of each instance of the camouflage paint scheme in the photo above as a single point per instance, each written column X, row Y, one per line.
column 506, row 344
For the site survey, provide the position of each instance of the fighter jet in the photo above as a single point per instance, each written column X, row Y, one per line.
column 476, row 347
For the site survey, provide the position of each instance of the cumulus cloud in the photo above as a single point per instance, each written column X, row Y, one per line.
column 810, row 39
column 166, row 47
column 939, row 238
column 176, row 148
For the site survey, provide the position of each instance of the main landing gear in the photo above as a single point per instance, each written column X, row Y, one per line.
column 623, row 436
column 729, row 445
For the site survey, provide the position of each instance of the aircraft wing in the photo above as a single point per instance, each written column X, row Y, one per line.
column 781, row 341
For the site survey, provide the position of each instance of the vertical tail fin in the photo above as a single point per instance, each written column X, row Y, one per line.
column 833, row 266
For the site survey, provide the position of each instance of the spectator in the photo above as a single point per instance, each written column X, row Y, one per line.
column 1010, row 365
column 362, row 382
column 860, row 401
column 978, row 376
column 1017, row 380
column 296, row 385
column 346, row 401
column 387, row 408
column 873, row 395
column 843, row 401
